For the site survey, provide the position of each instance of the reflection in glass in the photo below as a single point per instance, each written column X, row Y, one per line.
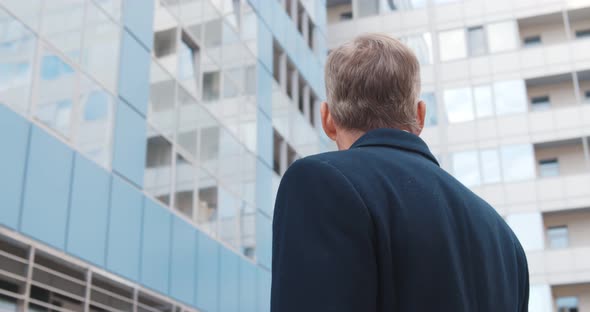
column 518, row 162
column 17, row 48
column 228, row 217
column 101, row 47
column 184, row 196
column 431, row 109
column 211, row 86
column 466, row 168
column 62, row 25
column 57, row 86
column 158, row 167
column 207, row 207
column 484, row 105
column 112, row 7
column 27, row 11
column 162, row 112
column 502, row 36
column 458, row 105
column 95, row 124
column 248, row 229
column 188, row 122
column 209, row 147
column 490, row 165
column 510, row 97
column 452, row 44
column 189, row 63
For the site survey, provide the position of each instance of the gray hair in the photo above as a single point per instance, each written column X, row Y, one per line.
column 373, row 82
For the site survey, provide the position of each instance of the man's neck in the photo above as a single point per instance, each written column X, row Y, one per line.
column 346, row 138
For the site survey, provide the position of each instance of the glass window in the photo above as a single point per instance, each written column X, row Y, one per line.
column 27, row 11
column 165, row 42
column 466, row 168
column 540, row 103
column 228, row 206
column 188, row 122
column 476, row 39
column 17, row 49
column 8, row 303
column 207, row 205
column 583, row 33
column 162, row 105
column 346, row 16
column 558, row 237
column 422, row 47
column 62, row 25
column 101, row 48
column 367, row 8
column 57, row 85
column 189, row 63
column 394, row 5
column 502, row 36
column 490, row 166
column 510, row 97
column 112, row 7
column 158, row 167
column 567, row 304
column 518, row 162
column 484, row 106
column 184, row 196
column 587, row 95
column 549, row 167
column 452, row 44
column 248, row 229
column 458, row 104
column 95, row 124
column 431, row 110
column 532, row 41
column 211, row 86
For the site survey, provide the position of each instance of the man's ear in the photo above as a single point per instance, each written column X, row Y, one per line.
column 420, row 117
column 327, row 121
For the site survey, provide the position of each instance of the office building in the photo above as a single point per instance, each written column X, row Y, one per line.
column 142, row 145
column 507, row 86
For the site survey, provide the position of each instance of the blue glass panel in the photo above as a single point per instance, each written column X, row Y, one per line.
column 47, row 189
column 155, row 263
column 183, row 265
column 264, row 89
column 134, row 72
column 129, row 144
column 264, row 240
column 264, row 189
column 124, row 229
column 138, row 17
column 248, row 286
column 87, row 232
column 207, row 273
column 14, row 137
column 264, row 283
column 229, row 281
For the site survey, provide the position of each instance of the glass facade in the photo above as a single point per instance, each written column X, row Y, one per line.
column 160, row 121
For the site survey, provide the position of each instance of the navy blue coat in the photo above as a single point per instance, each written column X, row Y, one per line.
column 381, row 227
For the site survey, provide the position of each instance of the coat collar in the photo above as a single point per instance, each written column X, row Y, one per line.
column 397, row 139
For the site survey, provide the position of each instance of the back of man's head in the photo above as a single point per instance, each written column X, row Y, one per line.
column 373, row 82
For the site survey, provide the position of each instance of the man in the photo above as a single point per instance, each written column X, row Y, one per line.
column 379, row 226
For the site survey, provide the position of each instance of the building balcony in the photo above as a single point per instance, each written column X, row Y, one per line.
column 563, row 266
column 543, row 194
